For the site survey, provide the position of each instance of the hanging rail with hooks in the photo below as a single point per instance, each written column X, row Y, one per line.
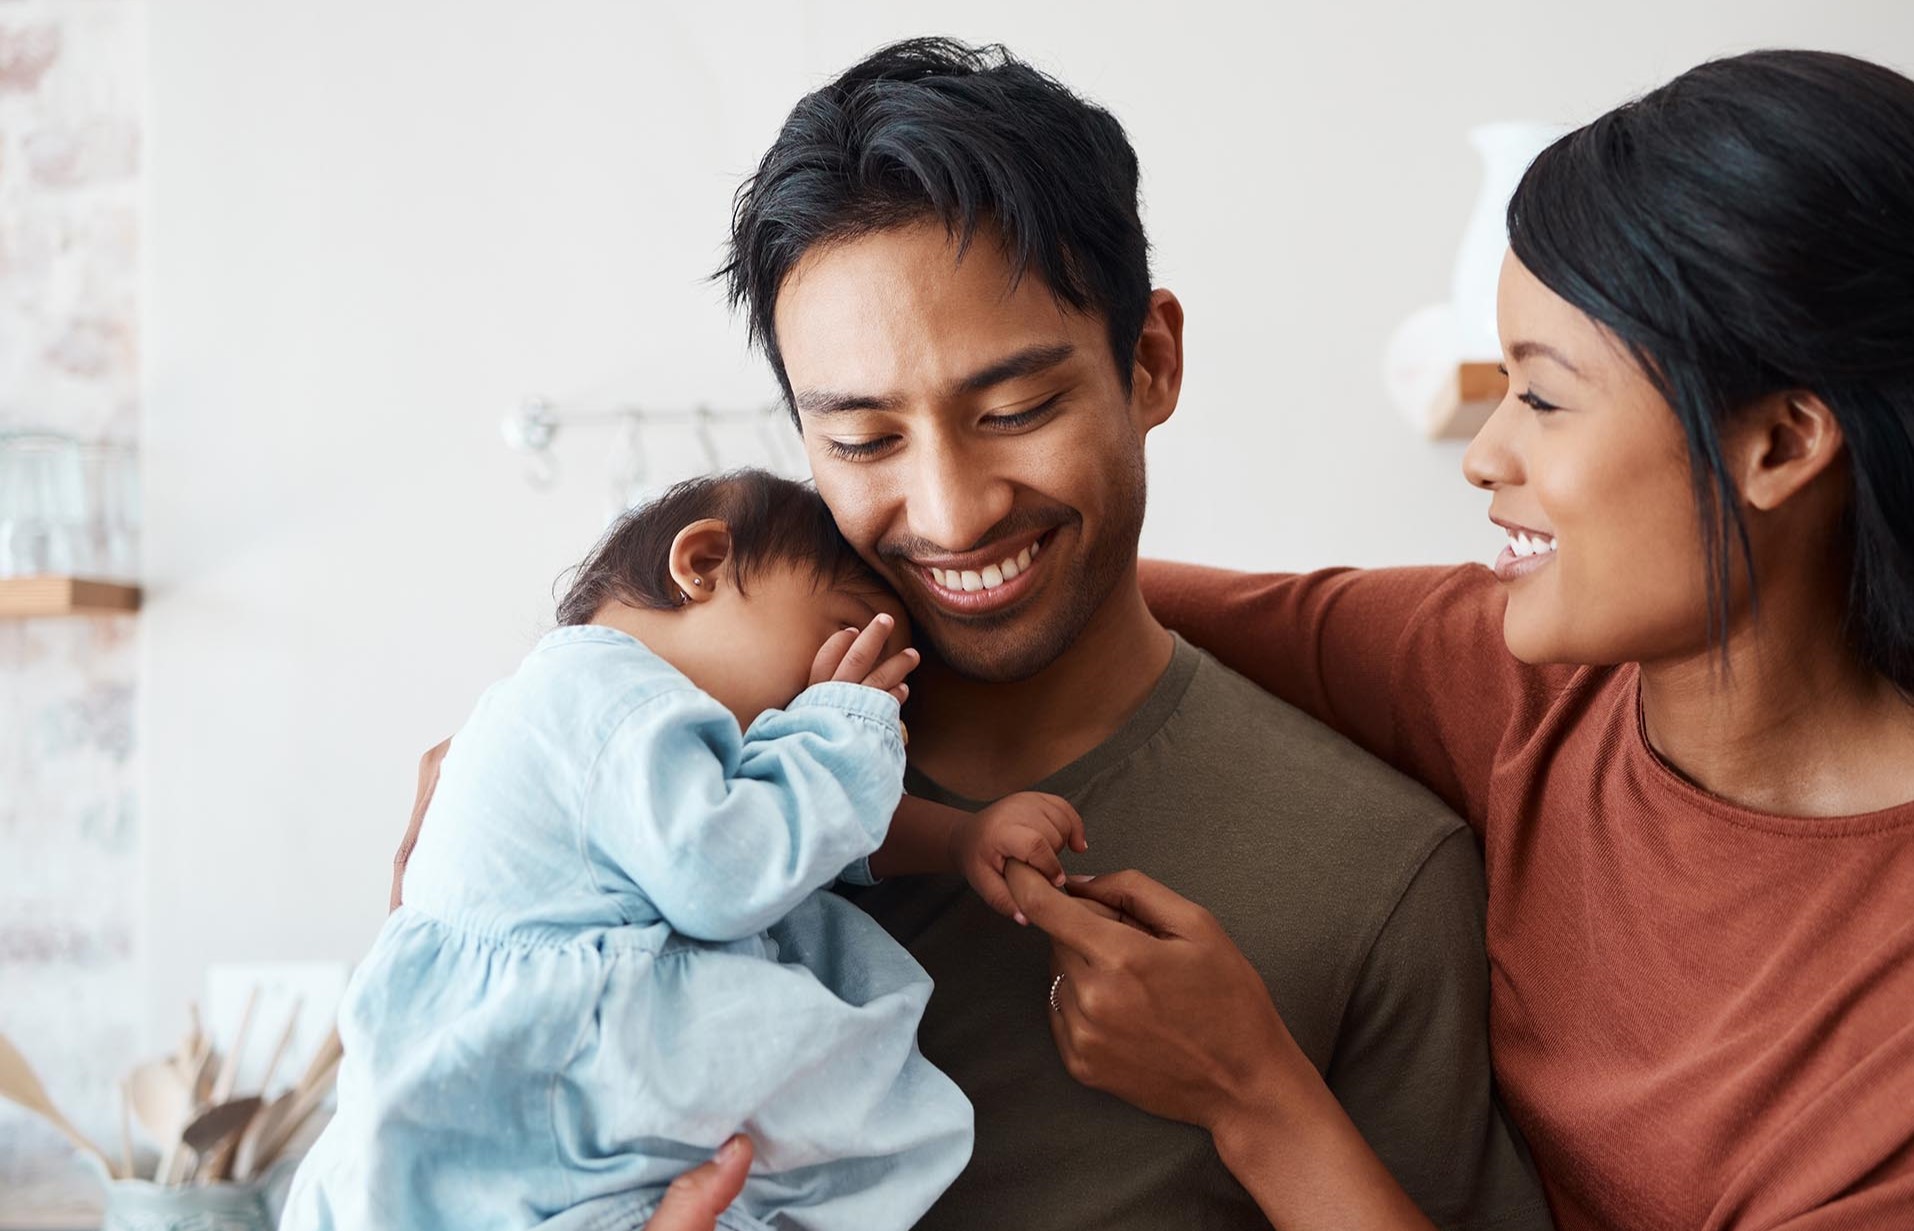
column 533, row 427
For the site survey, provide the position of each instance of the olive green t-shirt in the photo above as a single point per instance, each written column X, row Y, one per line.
column 1352, row 889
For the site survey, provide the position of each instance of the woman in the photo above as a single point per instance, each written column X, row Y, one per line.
column 1679, row 713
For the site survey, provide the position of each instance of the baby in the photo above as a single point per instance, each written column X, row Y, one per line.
column 616, row 947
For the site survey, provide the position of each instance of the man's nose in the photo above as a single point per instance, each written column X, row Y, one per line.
column 954, row 499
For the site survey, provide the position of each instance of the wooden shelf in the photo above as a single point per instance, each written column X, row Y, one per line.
column 1479, row 389
column 22, row 597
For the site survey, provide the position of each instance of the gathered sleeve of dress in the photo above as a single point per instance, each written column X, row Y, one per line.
column 722, row 833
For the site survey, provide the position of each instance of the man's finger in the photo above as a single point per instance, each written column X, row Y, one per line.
column 696, row 1198
column 1152, row 904
column 1072, row 924
column 428, row 783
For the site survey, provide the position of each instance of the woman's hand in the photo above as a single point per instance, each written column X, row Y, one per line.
column 1158, row 1006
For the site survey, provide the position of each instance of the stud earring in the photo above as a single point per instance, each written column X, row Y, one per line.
column 697, row 581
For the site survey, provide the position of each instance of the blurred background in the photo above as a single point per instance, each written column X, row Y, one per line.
column 307, row 258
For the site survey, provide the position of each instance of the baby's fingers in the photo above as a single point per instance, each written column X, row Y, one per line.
column 891, row 672
column 1034, row 849
column 1073, row 827
column 865, row 650
column 830, row 654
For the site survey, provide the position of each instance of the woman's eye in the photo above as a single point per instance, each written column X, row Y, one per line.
column 857, row 450
column 1535, row 403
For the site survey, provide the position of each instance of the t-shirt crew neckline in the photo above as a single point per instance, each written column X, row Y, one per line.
column 1668, row 778
column 1137, row 730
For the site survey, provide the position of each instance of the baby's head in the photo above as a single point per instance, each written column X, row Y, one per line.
column 735, row 580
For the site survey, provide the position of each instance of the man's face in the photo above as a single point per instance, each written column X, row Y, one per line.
column 973, row 441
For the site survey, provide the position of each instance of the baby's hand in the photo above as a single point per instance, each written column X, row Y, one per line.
column 854, row 656
column 1029, row 827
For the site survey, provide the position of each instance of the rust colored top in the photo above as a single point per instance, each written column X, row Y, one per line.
column 1700, row 1016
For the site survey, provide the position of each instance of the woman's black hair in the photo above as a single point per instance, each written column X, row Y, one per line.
column 931, row 128
column 772, row 520
column 1748, row 230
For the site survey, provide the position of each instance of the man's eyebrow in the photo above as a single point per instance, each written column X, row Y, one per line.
column 1529, row 350
column 1027, row 362
column 825, row 402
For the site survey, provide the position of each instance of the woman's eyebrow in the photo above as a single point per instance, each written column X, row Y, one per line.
column 1525, row 350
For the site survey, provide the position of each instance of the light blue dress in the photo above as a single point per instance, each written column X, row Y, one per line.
column 616, row 950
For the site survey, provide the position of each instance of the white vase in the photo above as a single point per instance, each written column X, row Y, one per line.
column 1507, row 149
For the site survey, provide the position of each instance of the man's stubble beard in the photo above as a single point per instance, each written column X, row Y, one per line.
column 989, row 652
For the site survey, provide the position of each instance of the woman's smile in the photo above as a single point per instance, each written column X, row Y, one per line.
column 1528, row 550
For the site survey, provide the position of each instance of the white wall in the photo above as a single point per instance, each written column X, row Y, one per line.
column 375, row 225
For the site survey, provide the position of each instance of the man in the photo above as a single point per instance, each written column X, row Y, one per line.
column 942, row 257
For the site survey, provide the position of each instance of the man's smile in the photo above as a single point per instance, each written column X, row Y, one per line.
column 986, row 580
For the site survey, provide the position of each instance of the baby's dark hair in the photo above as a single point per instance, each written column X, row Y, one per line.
column 773, row 521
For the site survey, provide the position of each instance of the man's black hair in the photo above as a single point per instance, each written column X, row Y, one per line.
column 972, row 137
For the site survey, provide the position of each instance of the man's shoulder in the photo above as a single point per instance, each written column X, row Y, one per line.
column 1271, row 756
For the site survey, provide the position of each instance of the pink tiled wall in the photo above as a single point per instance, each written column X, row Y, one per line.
column 71, row 82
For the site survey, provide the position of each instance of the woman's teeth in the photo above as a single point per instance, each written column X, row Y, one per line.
column 1524, row 545
column 990, row 576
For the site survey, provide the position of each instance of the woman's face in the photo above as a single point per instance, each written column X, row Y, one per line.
column 1589, row 472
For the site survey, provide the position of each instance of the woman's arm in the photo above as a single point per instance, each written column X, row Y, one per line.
column 1408, row 663
column 1165, row 1012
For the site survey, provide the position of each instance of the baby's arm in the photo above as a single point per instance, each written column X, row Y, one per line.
column 724, row 834
column 927, row 837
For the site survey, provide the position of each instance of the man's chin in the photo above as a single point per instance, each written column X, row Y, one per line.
column 1003, row 656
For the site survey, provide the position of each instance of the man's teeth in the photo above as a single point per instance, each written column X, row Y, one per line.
column 990, row 576
column 1525, row 545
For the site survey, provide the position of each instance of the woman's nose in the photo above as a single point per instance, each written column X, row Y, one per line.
column 1491, row 461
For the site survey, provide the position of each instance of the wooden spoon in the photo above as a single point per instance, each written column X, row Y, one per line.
column 19, row 1083
column 303, row 1101
column 229, row 1070
column 216, row 1123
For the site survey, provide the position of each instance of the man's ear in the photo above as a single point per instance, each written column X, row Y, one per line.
column 1156, row 375
column 698, row 555
column 1781, row 445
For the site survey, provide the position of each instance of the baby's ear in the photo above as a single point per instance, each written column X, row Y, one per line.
column 699, row 554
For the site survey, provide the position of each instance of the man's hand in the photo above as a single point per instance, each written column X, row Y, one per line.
column 428, row 782
column 1029, row 827
column 858, row 658
column 695, row 1199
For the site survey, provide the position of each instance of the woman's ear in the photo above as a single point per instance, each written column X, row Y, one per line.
column 698, row 556
column 1782, row 444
